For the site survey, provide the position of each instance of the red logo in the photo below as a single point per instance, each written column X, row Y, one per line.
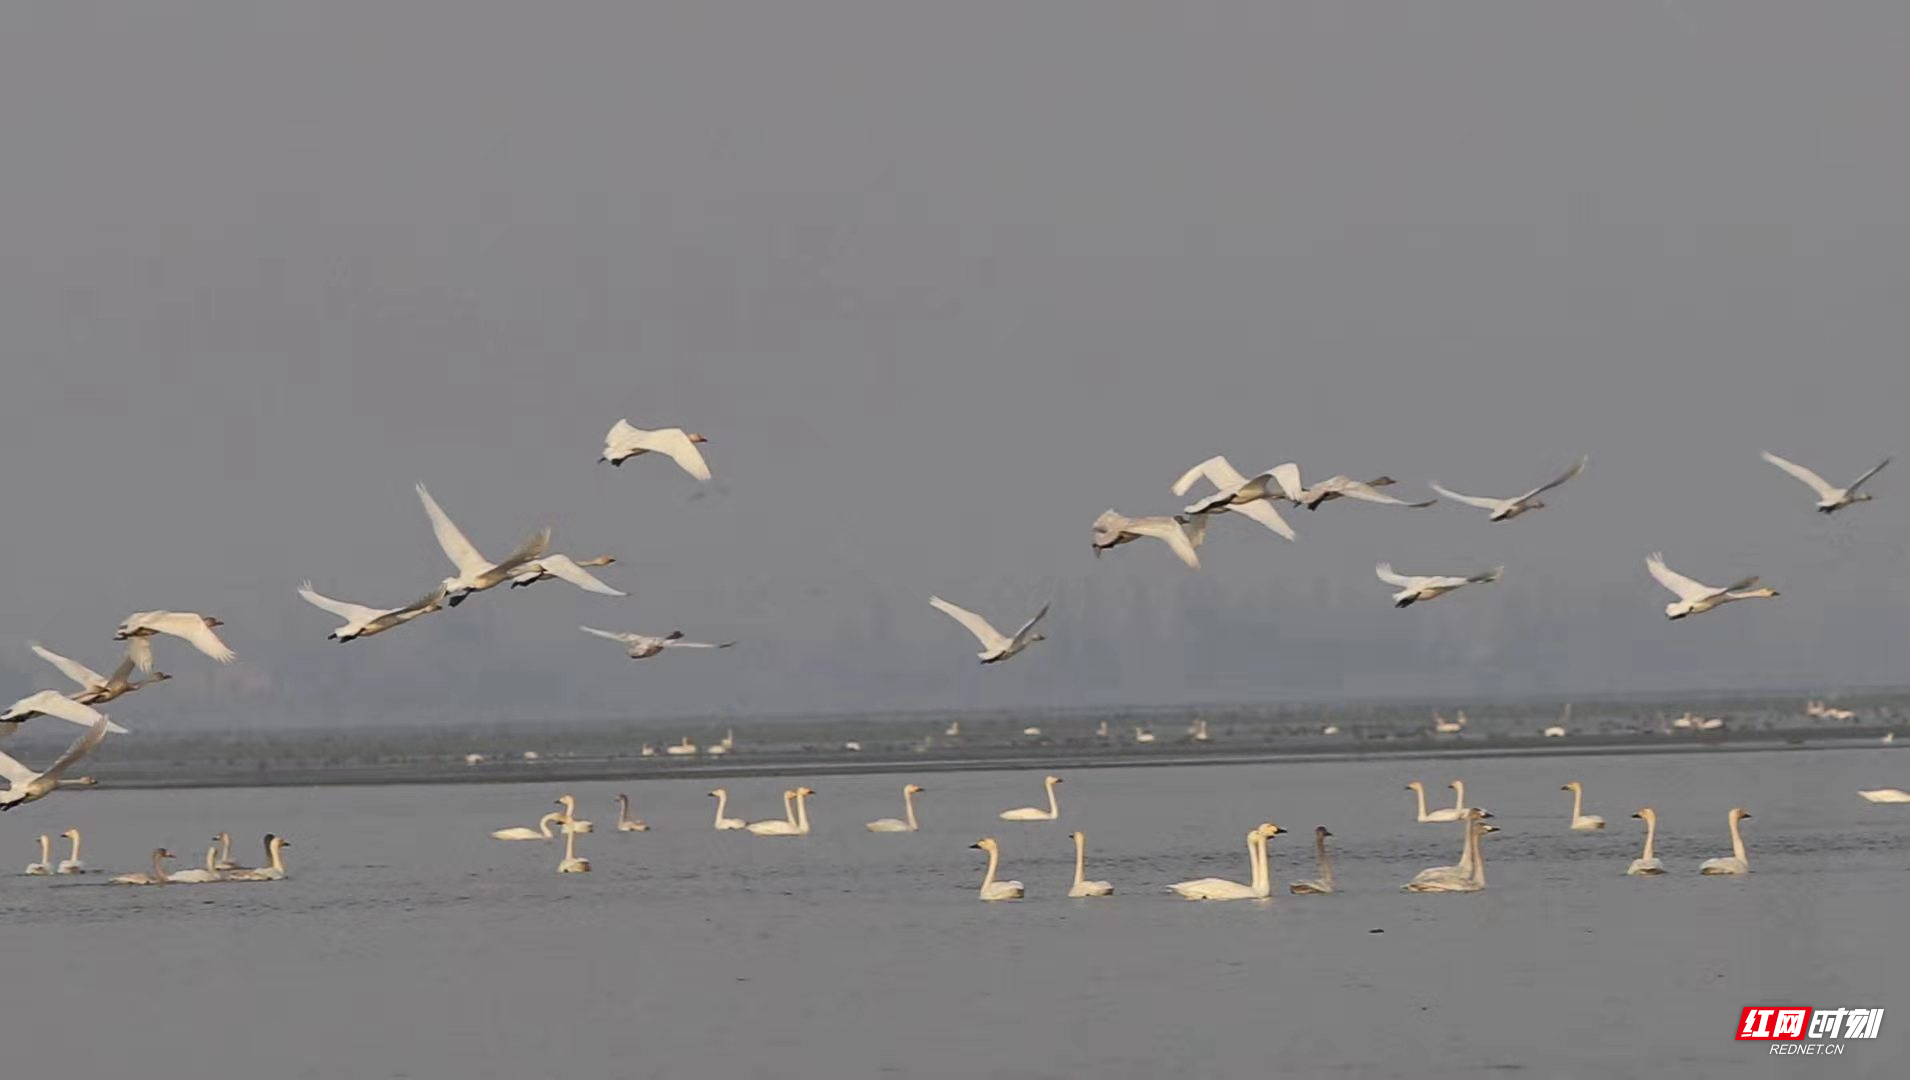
column 1774, row 1022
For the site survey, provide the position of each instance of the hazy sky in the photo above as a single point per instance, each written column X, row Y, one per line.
column 941, row 283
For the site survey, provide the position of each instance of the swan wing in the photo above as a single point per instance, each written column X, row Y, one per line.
column 1392, row 577
column 983, row 630
column 1859, row 482
column 1262, row 511
column 1170, row 530
column 1488, row 577
column 530, row 550
column 669, row 644
column 1287, row 475
column 1470, row 500
column 81, row 747
column 627, row 639
column 563, row 566
column 1218, row 471
column 677, row 445
column 1816, row 482
column 1686, row 588
column 60, row 707
column 456, row 546
column 1022, row 634
column 352, row 613
column 140, row 651
column 1365, row 492
column 72, row 669
column 16, row 774
column 193, row 628
column 622, row 438
column 1577, row 467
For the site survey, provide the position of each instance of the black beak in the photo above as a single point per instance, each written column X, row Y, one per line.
column 977, row 847
column 454, row 601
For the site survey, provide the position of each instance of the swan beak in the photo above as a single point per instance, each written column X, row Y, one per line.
column 1744, row 817
column 977, row 847
column 1639, row 816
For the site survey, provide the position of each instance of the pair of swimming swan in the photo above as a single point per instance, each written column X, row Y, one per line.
column 1470, row 873
column 69, row 865
column 1649, row 865
column 795, row 821
column 567, row 817
column 1082, row 888
column 1455, row 812
column 273, row 870
column 1036, row 813
column 1222, row 889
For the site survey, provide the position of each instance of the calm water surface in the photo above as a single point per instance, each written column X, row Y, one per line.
column 409, row 944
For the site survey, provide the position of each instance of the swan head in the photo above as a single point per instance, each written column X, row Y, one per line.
column 162, row 853
column 1573, row 785
column 70, row 834
column 987, row 843
column 1646, row 814
column 913, row 789
column 1320, row 832
column 212, row 621
column 1051, row 780
column 1488, row 828
column 718, row 793
column 1415, row 786
column 1740, row 815
column 601, row 560
column 1267, row 829
column 695, row 438
column 1676, row 610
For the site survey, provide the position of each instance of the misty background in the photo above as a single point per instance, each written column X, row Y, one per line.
column 941, row 283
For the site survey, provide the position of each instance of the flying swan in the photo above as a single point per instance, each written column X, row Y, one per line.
column 1249, row 497
column 889, row 824
column 475, row 572
column 362, row 621
column 1182, row 534
column 25, row 785
column 1829, row 499
column 992, row 889
column 995, row 647
column 196, row 629
column 624, row 442
column 1413, row 590
column 643, row 646
column 1222, row 889
column 1507, row 509
column 97, row 689
column 1695, row 598
column 57, row 705
column 564, row 568
column 1886, row 795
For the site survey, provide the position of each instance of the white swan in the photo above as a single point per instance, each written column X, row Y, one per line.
column 573, row 864
column 475, row 572
column 624, row 442
column 522, row 832
column 45, row 865
column 569, row 803
column 1414, row 589
column 889, row 824
column 72, row 864
column 97, row 689
column 1470, row 874
column 1507, row 509
column 157, row 877
column 1337, row 487
column 789, row 813
column 273, row 870
column 992, row 889
column 200, row 875
column 1323, row 884
column 362, row 621
column 1249, row 497
column 1886, row 795
column 1142, row 735
column 565, row 568
column 1182, row 534
column 723, row 824
column 1581, row 822
column 1455, row 812
column 995, row 647
column 642, row 646
column 1035, row 813
column 681, row 749
column 1829, row 499
column 1695, row 598
column 798, row 826
column 191, row 627
column 25, row 785
column 1082, row 887
column 1222, row 889
column 58, row 706
column 626, row 823
column 225, row 854
column 1735, row 863
column 1647, row 864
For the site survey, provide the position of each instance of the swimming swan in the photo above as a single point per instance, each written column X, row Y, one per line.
column 1081, row 887
column 72, row 863
column 992, row 889
column 889, row 824
column 1647, row 864
column 521, row 832
column 1735, row 863
column 200, row 875
column 1455, row 812
column 1696, row 598
column 722, row 797
column 1886, row 795
column 475, row 572
column 1323, row 884
column 624, row 442
column 564, row 568
column 1035, row 813
column 1507, row 509
column 572, row 864
column 45, row 865
column 195, row 629
column 1182, row 534
column 25, row 785
column 157, row 877
column 1470, row 874
column 1415, row 589
column 1581, row 822
column 1829, row 499
column 569, row 803
column 642, row 646
column 225, row 854
column 1222, row 889
column 995, row 647
column 362, row 621
column 626, row 823
column 274, row 870
column 797, row 826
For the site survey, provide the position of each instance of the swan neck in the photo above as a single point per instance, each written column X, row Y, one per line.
column 1326, row 864
column 1651, row 834
column 908, row 804
column 570, row 843
column 1459, row 795
column 159, row 872
column 623, row 810
column 1257, row 863
column 225, row 846
column 802, row 814
column 994, row 856
column 273, row 849
column 1054, row 808
column 46, row 847
column 212, row 859
column 1578, row 802
column 1737, row 843
column 1474, row 832
column 1420, row 791
column 1080, row 859
column 1465, row 852
column 76, row 845
column 722, row 801
column 789, row 807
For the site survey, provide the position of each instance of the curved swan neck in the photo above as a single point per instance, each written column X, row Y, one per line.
column 1420, row 790
column 994, row 856
column 1737, row 842
column 1054, row 808
column 1459, row 795
column 623, row 810
column 1651, row 833
column 908, row 804
column 1578, row 802
column 722, row 801
column 543, row 824
column 1080, row 858
column 159, row 871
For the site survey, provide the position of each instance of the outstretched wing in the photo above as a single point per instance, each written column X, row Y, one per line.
column 60, row 707
column 1287, row 475
column 72, row 669
column 140, row 651
column 1391, row 577
column 352, row 613
column 430, row 601
column 696, row 644
column 529, row 550
column 622, row 639
column 1859, row 482
column 1470, row 500
column 456, row 547
column 984, row 631
column 563, row 566
column 1816, row 482
column 1576, row 468
column 1218, row 471
column 622, row 438
column 1365, row 492
column 1170, row 530
column 676, row 444
column 81, row 747
column 1686, row 588
column 1022, row 634
column 17, row 775
column 193, row 628
column 1491, row 575
column 1262, row 511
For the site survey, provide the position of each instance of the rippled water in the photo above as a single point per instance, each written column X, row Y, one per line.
column 409, row 944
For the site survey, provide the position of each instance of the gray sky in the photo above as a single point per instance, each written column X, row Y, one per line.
column 941, row 283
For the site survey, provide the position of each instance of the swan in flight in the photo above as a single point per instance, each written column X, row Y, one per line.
column 1829, row 499
column 523, row 832
column 995, row 647
column 1470, row 874
column 1035, row 813
column 1287, row 478
column 625, row 441
column 361, row 621
column 1886, row 795
column 200, row 875
column 475, row 572
column 1581, row 822
column 565, row 568
column 97, row 689
column 723, row 824
column 1082, row 887
column 626, row 823
column 25, row 785
column 1735, row 863
column 194, row 628
column 573, row 864
column 1222, row 889
column 1250, row 497
column 72, row 864
column 797, row 825
column 889, row 824
column 1455, row 812
column 1647, row 864
column 1413, row 590
column 1323, row 884
column 57, row 705
column 643, row 646
column 1507, row 509
column 45, row 865
column 274, row 870
column 1183, row 534
column 992, row 889
column 1695, row 598
column 157, row 877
